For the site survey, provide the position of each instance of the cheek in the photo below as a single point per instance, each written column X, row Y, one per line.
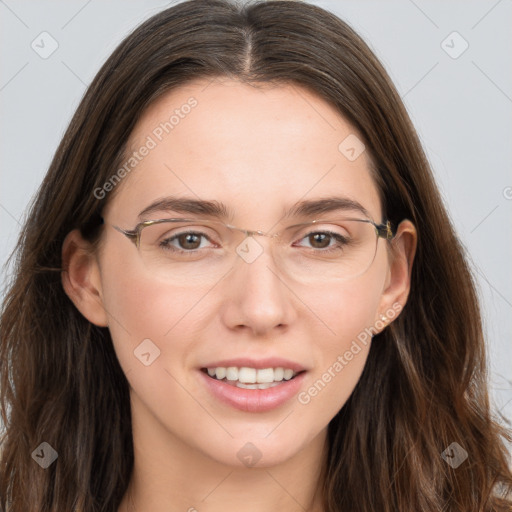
column 342, row 339
column 141, row 308
column 346, row 309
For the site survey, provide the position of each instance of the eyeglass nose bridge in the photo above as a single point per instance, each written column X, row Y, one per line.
column 252, row 232
column 250, row 253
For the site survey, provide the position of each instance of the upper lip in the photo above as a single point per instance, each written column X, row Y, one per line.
column 268, row 362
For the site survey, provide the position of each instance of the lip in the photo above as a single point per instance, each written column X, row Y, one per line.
column 253, row 400
column 269, row 362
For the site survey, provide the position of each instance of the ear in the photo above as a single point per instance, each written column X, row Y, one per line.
column 398, row 282
column 81, row 278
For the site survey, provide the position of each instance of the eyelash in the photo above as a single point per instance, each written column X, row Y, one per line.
column 340, row 239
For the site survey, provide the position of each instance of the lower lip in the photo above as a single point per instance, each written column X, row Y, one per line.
column 253, row 400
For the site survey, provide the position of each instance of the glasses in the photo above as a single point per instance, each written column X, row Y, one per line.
column 199, row 251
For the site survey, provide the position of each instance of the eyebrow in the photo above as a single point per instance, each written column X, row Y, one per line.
column 216, row 209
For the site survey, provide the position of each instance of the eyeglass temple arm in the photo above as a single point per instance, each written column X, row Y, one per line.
column 385, row 230
column 131, row 235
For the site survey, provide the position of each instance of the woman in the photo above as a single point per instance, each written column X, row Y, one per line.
column 238, row 288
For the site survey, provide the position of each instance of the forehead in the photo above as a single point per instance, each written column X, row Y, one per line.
column 258, row 150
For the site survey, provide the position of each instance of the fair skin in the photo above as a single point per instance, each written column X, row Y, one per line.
column 258, row 151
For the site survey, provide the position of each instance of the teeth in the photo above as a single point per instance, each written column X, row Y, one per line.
column 248, row 375
column 231, row 373
column 220, row 372
column 245, row 375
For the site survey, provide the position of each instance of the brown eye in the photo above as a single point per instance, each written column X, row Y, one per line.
column 186, row 241
column 319, row 240
column 189, row 240
column 324, row 241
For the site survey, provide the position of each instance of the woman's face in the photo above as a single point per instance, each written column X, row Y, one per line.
column 259, row 152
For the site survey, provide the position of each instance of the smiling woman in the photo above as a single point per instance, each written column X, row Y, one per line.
column 269, row 310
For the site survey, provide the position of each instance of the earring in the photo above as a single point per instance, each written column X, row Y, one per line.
column 384, row 318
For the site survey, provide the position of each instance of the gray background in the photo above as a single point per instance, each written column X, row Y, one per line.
column 460, row 104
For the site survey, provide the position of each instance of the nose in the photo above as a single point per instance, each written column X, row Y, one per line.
column 257, row 296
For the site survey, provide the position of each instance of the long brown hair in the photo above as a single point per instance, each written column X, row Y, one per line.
column 424, row 385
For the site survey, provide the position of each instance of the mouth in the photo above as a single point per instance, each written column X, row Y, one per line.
column 251, row 378
column 253, row 390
